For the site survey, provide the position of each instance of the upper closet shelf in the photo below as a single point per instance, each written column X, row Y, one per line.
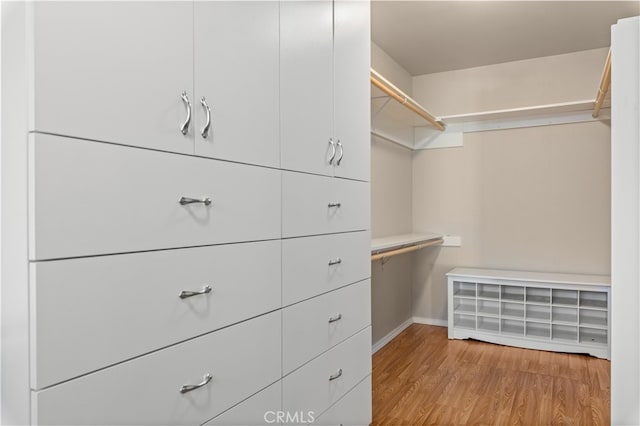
column 400, row 244
column 399, row 122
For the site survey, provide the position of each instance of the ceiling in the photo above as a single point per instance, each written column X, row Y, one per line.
column 433, row 36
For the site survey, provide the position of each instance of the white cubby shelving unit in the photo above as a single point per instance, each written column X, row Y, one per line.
column 554, row 312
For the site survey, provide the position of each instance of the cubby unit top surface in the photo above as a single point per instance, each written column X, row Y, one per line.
column 539, row 277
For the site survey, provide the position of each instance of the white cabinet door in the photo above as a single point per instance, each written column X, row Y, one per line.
column 318, row 264
column 261, row 409
column 352, row 88
column 241, row 360
column 113, row 71
column 236, row 71
column 354, row 409
column 94, row 198
column 89, row 313
column 315, row 325
column 315, row 205
column 306, row 85
column 329, row 376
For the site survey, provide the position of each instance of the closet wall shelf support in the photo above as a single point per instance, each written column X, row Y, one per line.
column 383, row 248
column 605, row 83
column 402, row 98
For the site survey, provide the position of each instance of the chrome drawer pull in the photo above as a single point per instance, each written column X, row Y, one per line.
column 205, row 130
column 184, row 293
column 184, row 129
column 332, row 205
column 341, row 153
column 186, row 200
column 188, row 388
column 335, row 262
column 335, row 376
column 336, row 318
column 333, row 150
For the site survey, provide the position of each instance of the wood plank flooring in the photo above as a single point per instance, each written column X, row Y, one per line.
column 421, row 377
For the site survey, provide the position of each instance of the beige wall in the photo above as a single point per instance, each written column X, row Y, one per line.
column 391, row 214
column 552, row 79
column 524, row 199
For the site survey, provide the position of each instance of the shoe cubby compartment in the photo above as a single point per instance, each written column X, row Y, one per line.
column 514, row 327
column 539, row 312
column 464, row 321
column 464, row 289
column 489, row 291
column 465, row 306
column 488, row 307
column 512, row 310
column 538, row 330
column 513, row 293
column 593, row 336
column 491, row 324
column 564, row 297
column 593, row 299
column 564, row 315
column 538, row 295
column 590, row 317
column 565, row 333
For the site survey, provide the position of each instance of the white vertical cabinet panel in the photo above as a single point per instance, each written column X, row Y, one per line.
column 352, row 357
column 306, row 206
column 145, row 390
column 236, row 70
column 306, row 85
column 305, row 264
column 306, row 327
column 113, row 71
column 74, row 329
column 260, row 409
column 92, row 198
column 352, row 98
column 354, row 409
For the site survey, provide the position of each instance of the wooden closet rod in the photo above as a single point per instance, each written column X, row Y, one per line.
column 390, row 89
column 409, row 249
column 605, row 82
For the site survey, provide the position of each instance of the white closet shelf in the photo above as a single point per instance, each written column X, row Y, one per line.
column 539, row 277
column 405, row 243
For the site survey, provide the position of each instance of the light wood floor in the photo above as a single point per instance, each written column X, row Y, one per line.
column 421, row 377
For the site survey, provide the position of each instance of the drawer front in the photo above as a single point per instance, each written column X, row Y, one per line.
column 315, row 205
column 354, row 409
column 89, row 313
column 91, row 198
column 306, row 268
column 241, row 359
column 260, row 409
column 315, row 325
column 352, row 358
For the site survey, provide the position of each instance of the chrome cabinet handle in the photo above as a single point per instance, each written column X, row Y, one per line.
column 205, row 130
column 336, row 318
column 333, row 150
column 187, row 103
column 336, row 375
column 188, row 388
column 337, row 205
column 341, row 153
column 185, row 293
column 335, row 262
column 186, row 200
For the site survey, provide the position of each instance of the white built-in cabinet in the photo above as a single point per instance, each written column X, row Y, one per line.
column 327, row 40
column 198, row 252
column 181, row 69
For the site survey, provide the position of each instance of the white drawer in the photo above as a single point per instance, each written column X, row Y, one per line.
column 89, row 198
column 260, row 409
column 241, row 359
column 89, row 313
column 306, row 271
column 315, row 205
column 351, row 358
column 353, row 409
column 315, row 325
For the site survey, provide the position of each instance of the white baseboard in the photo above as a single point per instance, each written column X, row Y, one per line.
column 430, row 321
column 390, row 336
